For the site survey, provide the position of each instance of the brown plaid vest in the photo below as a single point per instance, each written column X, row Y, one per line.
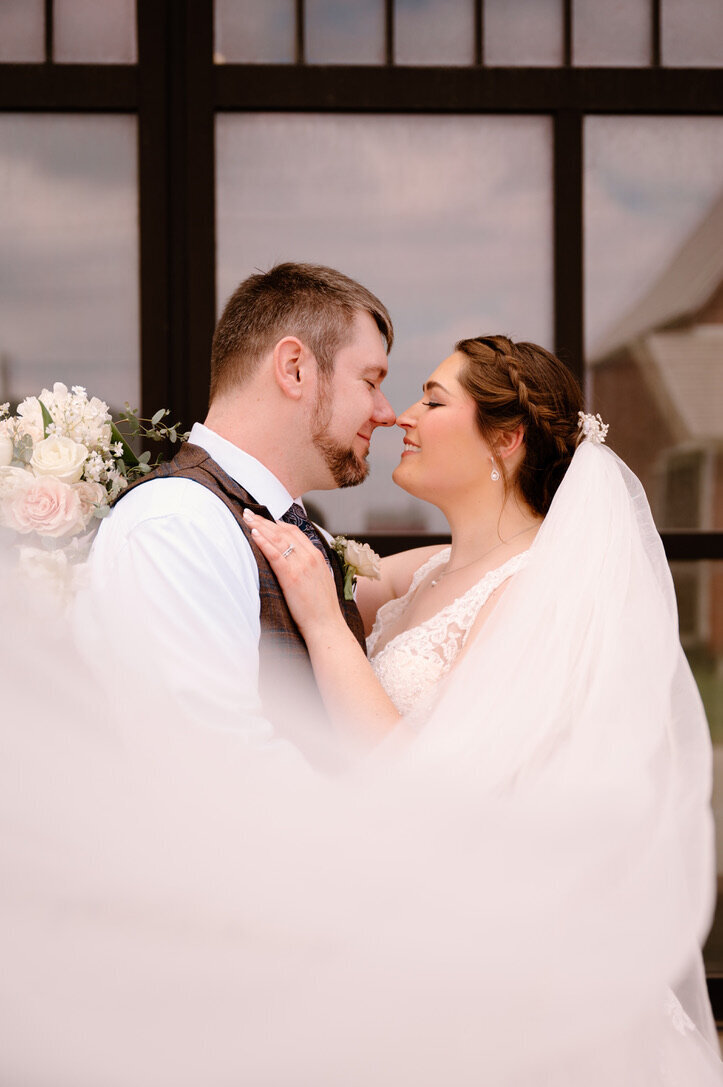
column 281, row 644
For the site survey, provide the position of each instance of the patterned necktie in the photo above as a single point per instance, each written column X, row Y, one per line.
column 296, row 516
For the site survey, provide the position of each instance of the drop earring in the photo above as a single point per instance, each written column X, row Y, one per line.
column 494, row 474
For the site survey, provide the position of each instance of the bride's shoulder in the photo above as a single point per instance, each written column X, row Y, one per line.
column 397, row 572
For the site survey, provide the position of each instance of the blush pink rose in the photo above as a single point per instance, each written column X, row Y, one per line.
column 47, row 506
column 90, row 495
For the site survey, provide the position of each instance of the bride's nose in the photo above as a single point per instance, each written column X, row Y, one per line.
column 407, row 418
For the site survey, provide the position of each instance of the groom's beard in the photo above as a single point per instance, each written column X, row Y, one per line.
column 346, row 467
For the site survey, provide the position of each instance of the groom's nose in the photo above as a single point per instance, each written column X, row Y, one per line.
column 383, row 411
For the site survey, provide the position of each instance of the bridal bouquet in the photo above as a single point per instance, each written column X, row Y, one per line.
column 63, row 460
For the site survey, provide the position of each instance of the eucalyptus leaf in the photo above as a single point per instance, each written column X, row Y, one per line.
column 145, row 457
column 23, row 449
column 128, row 455
column 101, row 511
column 157, row 416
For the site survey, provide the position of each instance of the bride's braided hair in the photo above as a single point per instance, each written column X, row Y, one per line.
column 521, row 383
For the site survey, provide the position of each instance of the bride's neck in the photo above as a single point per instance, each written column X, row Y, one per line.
column 475, row 532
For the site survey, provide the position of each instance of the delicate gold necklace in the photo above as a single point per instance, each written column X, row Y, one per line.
column 479, row 558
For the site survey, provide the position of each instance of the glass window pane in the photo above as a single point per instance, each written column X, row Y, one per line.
column 699, row 589
column 69, row 255
column 247, row 32
column 434, row 32
column 345, row 31
column 22, row 31
column 692, row 33
column 523, row 32
column 95, row 33
column 614, row 33
column 654, row 305
column 447, row 219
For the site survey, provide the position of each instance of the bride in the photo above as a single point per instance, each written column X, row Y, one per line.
column 538, row 655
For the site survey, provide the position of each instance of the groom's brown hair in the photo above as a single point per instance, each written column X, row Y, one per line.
column 310, row 301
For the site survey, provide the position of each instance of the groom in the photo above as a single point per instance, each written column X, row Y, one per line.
column 297, row 363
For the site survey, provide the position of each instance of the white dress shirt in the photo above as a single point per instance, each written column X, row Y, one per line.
column 171, row 569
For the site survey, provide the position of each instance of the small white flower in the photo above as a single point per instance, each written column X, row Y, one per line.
column 4, row 408
column 117, row 449
column 592, row 427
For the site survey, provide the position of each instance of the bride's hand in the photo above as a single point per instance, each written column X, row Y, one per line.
column 302, row 573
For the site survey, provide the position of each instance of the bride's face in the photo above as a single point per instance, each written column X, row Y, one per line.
column 444, row 454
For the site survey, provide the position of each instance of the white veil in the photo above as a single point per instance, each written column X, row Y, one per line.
column 507, row 899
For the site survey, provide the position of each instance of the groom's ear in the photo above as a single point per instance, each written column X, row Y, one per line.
column 290, row 364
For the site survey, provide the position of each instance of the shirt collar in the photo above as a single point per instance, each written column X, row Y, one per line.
column 253, row 476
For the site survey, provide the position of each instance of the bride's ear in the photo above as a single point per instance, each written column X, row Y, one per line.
column 509, row 441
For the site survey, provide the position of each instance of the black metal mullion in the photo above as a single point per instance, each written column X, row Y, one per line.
column 655, row 33
column 300, row 32
column 153, row 183
column 479, row 33
column 568, row 239
column 395, row 89
column 49, row 32
column 567, row 17
column 389, row 46
column 199, row 223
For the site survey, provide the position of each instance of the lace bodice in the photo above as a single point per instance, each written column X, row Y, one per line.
column 413, row 662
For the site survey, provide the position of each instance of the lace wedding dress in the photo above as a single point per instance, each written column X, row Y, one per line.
column 410, row 665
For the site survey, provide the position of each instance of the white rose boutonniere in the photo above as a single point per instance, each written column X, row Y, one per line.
column 358, row 560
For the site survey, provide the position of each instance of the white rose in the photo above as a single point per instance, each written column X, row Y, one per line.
column 365, row 561
column 6, row 450
column 59, row 457
column 46, row 506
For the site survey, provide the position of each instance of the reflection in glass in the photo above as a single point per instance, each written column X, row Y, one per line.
column 87, row 31
column 247, row 32
column 447, row 219
column 22, row 31
column 350, row 32
column 527, row 32
column 434, row 32
column 654, row 306
column 692, row 33
column 615, row 33
column 69, row 255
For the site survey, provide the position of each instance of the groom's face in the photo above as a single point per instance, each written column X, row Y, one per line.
column 350, row 405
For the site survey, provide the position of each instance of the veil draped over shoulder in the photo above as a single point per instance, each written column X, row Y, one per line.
column 516, row 894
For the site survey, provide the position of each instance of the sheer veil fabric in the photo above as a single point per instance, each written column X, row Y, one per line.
column 513, row 889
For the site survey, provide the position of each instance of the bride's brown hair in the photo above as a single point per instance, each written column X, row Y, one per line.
column 521, row 383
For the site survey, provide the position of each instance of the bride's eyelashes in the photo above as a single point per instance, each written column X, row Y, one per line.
column 431, row 404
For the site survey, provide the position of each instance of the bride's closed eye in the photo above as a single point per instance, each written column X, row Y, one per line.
column 432, row 404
